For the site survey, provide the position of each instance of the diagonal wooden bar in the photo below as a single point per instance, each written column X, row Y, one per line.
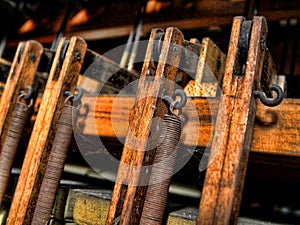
column 22, row 74
column 230, row 148
column 63, row 77
column 129, row 191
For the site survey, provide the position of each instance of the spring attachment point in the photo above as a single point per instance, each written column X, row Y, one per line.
column 271, row 102
column 26, row 95
column 76, row 99
column 177, row 105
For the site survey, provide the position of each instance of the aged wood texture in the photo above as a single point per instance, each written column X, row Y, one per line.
column 63, row 77
column 127, row 200
column 223, row 185
column 21, row 74
column 209, row 72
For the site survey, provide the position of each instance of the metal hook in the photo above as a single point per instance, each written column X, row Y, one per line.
column 271, row 102
column 76, row 98
column 176, row 104
column 27, row 95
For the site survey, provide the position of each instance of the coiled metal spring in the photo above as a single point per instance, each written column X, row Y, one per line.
column 11, row 142
column 54, row 170
column 164, row 162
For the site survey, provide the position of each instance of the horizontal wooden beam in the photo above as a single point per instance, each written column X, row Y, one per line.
column 276, row 130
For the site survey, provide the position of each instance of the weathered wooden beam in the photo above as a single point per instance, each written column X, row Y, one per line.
column 209, row 72
column 225, row 174
column 276, row 129
column 128, row 196
column 63, row 77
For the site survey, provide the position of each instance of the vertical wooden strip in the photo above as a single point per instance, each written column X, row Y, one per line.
column 63, row 77
column 209, row 72
column 127, row 200
column 21, row 74
column 225, row 175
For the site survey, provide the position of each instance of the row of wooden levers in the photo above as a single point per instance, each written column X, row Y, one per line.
column 43, row 95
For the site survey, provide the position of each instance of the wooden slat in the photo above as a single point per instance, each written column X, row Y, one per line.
column 21, row 74
column 224, row 179
column 127, row 201
column 209, row 72
column 61, row 78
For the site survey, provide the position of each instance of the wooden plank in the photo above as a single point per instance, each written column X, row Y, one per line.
column 127, row 201
column 209, row 72
column 63, row 77
column 223, row 185
column 21, row 74
column 276, row 129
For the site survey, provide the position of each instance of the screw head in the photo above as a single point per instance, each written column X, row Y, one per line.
column 175, row 50
column 262, row 44
column 32, row 57
column 77, row 55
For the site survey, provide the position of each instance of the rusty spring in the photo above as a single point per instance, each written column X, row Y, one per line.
column 157, row 192
column 55, row 165
column 11, row 141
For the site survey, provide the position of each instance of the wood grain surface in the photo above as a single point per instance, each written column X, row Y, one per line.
column 129, row 194
column 224, row 179
column 276, row 130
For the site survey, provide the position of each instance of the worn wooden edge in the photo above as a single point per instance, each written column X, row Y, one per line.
column 209, row 72
column 59, row 81
column 213, row 59
column 22, row 74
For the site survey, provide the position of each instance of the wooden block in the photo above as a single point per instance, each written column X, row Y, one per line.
column 127, row 201
column 69, row 210
column 209, row 72
column 276, row 129
column 91, row 207
column 63, row 77
column 231, row 143
column 186, row 216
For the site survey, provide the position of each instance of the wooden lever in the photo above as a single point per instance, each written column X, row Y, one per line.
column 129, row 191
column 22, row 74
column 221, row 195
column 63, row 77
